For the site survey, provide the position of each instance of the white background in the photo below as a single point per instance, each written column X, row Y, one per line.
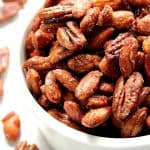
column 13, row 100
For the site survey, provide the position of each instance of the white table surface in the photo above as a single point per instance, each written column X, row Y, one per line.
column 13, row 99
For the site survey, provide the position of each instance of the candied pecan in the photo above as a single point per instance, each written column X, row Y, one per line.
column 147, row 65
column 148, row 122
column 41, row 39
column 51, row 27
column 80, row 8
column 144, row 95
column 118, row 96
column 139, row 61
column 146, row 45
column 4, row 59
column 38, row 63
column 66, row 2
column 105, row 16
column 101, row 3
column 126, row 95
column 23, row 145
column 106, row 88
column 66, row 79
column 33, row 81
column 143, row 25
column 11, row 126
column 113, row 48
column 83, row 62
column 96, row 117
column 36, row 23
column 51, row 89
column 8, row 11
column 73, row 110
column 134, row 123
column 89, row 21
column 28, row 43
column 64, row 118
column 122, row 19
column 55, row 11
column 127, row 57
column 1, row 87
column 87, row 85
column 71, row 37
column 99, row 37
column 58, row 53
column 97, row 101
column 139, row 2
column 109, row 68
column 132, row 89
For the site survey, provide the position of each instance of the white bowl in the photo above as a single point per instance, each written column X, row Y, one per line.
column 62, row 137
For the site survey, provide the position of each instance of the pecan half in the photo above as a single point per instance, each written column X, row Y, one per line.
column 143, row 25
column 73, row 110
column 139, row 61
column 88, row 85
column 38, row 63
column 96, row 117
column 11, row 124
column 113, row 48
column 89, row 21
column 126, row 95
column 99, row 37
column 33, row 81
column 58, row 53
column 51, row 89
column 127, row 57
column 109, row 68
column 71, row 37
column 146, row 45
column 55, row 11
column 80, row 8
column 134, row 123
column 106, row 88
column 83, row 62
column 97, row 101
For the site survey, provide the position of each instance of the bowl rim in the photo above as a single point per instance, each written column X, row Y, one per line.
column 66, row 131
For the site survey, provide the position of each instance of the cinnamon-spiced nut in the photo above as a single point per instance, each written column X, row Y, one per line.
column 99, row 37
column 11, row 126
column 96, row 117
column 87, row 85
column 83, row 62
column 97, row 101
column 146, row 45
column 71, row 37
column 106, row 88
column 127, row 57
column 80, row 8
column 73, row 110
column 126, row 95
column 33, row 81
column 89, row 20
column 139, row 60
column 133, row 125
column 143, row 25
column 38, row 63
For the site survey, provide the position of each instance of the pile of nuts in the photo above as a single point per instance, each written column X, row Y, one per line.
column 88, row 64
